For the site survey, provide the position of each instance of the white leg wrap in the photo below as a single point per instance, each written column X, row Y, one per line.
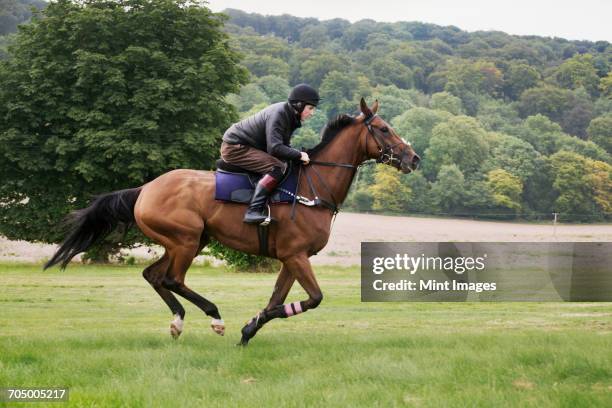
column 217, row 322
column 178, row 322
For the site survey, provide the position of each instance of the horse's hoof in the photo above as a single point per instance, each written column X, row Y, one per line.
column 219, row 329
column 218, row 326
column 176, row 327
column 174, row 331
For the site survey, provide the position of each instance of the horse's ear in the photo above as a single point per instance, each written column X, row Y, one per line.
column 364, row 108
column 375, row 107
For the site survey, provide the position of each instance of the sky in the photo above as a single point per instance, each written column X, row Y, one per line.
column 573, row 20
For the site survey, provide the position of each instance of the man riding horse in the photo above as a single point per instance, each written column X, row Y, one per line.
column 260, row 144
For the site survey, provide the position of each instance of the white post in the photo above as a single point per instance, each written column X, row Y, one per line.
column 555, row 224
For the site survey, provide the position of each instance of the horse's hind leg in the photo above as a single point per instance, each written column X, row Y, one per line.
column 298, row 268
column 181, row 258
column 154, row 274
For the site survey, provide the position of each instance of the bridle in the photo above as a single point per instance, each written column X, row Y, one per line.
column 387, row 156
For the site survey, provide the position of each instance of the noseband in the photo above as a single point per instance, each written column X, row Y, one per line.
column 387, row 155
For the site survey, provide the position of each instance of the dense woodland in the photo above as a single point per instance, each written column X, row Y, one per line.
column 507, row 126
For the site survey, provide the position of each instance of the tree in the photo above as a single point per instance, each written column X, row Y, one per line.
column 420, row 198
column 416, row 125
column 543, row 134
column 459, row 141
column 575, row 180
column 393, row 101
column 338, row 89
column 262, row 65
column 506, row 189
column 388, row 192
column 605, row 85
column 95, row 98
column 600, row 131
column 514, row 156
column 519, row 77
column 446, row 102
column 578, row 72
column 250, row 95
column 546, row 100
column 448, row 190
column 276, row 88
column 313, row 70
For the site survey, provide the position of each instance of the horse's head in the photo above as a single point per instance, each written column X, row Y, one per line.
column 384, row 144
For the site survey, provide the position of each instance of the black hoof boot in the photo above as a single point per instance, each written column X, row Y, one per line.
column 250, row 329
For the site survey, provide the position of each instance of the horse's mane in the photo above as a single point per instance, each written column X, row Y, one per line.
column 329, row 132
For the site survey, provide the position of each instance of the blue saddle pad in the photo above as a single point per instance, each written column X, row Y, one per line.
column 239, row 187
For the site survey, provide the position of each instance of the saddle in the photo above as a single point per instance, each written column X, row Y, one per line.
column 236, row 185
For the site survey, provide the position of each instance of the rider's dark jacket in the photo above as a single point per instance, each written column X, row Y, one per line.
column 269, row 130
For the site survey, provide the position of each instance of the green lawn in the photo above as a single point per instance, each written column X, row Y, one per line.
column 103, row 332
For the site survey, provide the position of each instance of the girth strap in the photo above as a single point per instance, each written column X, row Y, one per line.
column 262, row 234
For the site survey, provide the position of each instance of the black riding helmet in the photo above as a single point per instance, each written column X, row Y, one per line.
column 302, row 95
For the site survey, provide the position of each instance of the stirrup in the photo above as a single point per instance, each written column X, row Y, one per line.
column 268, row 219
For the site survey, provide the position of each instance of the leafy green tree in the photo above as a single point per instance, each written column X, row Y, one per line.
column 578, row 114
column 388, row 191
column 514, row 156
column 495, row 114
column 444, row 101
column 276, row 88
column 388, row 71
column 262, row 65
column 313, row 36
column 506, row 189
column 519, row 77
column 578, row 72
column 393, row 101
column 479, row 77
column 339, row 90
column 250, row 95
column 599, row 178
column 547, row 100
column 448, row 189
column 95, row 97
column 577, row 196
column 421, row 200
column 313, row 70
column 416, row 126
column 459, row 141
column 605, row 85
column 543, row 134
column 600, row 131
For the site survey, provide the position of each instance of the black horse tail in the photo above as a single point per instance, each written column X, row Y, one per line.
column 89, row 225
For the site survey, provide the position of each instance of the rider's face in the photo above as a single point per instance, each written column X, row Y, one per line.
column 307, row 112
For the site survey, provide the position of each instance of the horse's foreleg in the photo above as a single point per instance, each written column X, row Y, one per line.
column 295, row 268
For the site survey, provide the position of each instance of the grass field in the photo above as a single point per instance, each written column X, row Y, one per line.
column 103, row 332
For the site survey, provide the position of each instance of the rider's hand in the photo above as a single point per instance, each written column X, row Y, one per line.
column 305, row 159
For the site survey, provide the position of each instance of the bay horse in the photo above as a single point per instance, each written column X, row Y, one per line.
column 178, row 211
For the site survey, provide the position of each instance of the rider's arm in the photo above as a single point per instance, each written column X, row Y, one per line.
column 275, row 130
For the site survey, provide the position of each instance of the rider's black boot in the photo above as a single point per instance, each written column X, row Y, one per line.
column 257, row 211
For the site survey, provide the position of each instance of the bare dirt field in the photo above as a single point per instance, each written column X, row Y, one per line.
column 351, row 229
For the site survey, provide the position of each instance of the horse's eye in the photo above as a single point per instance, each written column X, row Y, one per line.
column 384, row 129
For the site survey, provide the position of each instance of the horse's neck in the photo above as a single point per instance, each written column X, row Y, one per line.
column 344, row 149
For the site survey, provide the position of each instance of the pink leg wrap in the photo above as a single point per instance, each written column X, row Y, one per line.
column 293, row 308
